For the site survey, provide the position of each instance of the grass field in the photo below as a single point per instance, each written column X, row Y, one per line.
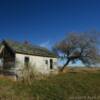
column 67, row 86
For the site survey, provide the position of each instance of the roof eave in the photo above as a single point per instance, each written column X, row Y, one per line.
column 36, row 54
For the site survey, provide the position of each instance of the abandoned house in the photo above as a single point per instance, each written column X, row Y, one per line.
column 15, row 55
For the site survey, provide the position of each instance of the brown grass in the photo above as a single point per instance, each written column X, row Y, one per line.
column 81, row 70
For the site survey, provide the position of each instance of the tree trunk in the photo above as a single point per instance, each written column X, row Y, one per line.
column 65, row 65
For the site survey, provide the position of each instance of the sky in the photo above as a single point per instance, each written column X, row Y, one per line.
column 45, row 22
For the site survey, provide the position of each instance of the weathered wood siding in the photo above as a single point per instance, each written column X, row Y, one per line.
column 8, row 59
column 38, row 62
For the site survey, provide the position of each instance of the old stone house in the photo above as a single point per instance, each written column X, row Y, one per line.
column 14, row 55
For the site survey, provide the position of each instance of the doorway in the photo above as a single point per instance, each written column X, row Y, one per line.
column 51, row 64
column 26, row 61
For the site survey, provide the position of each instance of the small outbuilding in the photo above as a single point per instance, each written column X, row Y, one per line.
column 15, row 55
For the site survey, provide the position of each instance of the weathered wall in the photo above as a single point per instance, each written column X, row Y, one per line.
column 37, row 62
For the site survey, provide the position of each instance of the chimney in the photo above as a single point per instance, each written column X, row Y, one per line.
column 26, row 42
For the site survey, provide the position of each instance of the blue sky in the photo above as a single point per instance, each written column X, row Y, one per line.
column 44, row 22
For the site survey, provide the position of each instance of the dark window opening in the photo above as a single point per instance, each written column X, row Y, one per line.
column 26, row 61
column 51, row 64
column 46, row 62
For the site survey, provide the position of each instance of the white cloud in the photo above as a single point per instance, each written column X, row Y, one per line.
column 46, row 44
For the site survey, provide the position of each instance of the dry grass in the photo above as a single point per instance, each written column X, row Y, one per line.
column 57, row 87
column 81, row 70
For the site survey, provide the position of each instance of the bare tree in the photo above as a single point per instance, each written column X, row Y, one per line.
column 81, row 47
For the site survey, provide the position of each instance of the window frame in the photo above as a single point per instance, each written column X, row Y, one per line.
column 46, row 62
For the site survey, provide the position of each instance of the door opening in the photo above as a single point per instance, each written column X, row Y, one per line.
column 51, row 64
column 26, row 61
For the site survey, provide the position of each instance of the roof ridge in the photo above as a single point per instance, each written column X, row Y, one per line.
column 29, row 48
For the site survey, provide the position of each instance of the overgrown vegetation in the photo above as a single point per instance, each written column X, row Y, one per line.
column 59, row 87
column 28, row 73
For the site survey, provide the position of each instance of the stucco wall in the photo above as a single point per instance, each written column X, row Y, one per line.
column 38, row 62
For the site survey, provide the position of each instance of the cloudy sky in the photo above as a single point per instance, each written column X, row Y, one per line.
column 44, row 22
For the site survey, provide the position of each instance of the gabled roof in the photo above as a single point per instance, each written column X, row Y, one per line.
column 29, row 49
